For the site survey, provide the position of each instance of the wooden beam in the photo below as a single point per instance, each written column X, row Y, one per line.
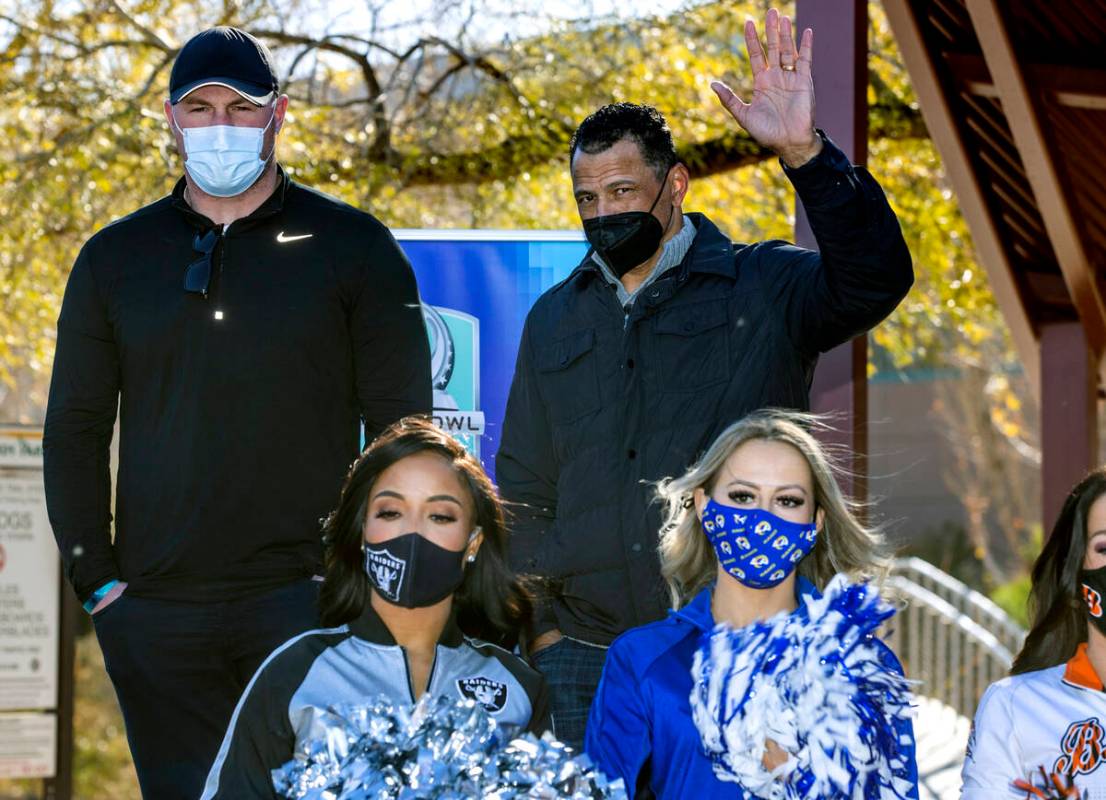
column 1049, row 288
column 1069, row 414
column 943, row 129
column 1075, row 87
column 841, row 84
column 60, row 787
column 1022, row 114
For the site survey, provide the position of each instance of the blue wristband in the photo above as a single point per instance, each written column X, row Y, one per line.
column 99, row 595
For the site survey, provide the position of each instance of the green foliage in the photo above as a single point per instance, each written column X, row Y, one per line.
column 1013, row 598
column 432, row 132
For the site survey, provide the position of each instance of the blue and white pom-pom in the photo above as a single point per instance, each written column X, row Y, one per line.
column 442, row 748
column 821, row 686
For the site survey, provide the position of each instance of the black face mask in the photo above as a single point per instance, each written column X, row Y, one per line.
column 411, row 571
column 628, row 239
column 1092, row 585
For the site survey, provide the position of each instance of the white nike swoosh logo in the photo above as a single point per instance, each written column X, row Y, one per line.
column 282, row 238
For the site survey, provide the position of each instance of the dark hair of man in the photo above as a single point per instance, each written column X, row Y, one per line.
column 492, row 603
column 617, row 121
column 1058, row 610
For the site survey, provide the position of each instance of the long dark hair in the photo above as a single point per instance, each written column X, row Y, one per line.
column 492, row 604
column 1059, row 615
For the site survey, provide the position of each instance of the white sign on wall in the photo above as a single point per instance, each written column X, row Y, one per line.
column 28, row 745
column 30, row 580
column 28, row 596
column 20, row 448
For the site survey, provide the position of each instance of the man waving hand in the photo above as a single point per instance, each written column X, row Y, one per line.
column 665, row 334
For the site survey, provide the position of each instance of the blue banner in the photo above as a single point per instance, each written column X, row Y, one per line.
column 476, row 288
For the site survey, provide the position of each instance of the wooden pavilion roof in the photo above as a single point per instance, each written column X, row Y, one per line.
column 1014, row 95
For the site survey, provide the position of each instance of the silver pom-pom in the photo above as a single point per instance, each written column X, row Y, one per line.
column 817, row 684
column 442, row 748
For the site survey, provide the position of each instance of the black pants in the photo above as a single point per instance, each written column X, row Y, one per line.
column 179, row 668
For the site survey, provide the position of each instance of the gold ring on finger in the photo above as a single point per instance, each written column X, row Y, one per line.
column 787, row 67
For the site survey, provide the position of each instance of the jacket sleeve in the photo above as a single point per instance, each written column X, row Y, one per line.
column 991, row 764
column 526, row 470
column 541, row 717
column 80, row 418
column 619, row 737
column 258, row 740
column 390, row 349
column 862, row 269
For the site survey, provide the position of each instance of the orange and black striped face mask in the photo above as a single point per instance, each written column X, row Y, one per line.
column 1092, row 586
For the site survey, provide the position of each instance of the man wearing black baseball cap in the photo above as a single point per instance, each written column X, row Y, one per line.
column 225, row 57
column 243, row 328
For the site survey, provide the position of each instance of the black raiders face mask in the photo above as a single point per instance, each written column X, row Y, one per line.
column 1092, row 585
column 411, row 571
column 628, row 239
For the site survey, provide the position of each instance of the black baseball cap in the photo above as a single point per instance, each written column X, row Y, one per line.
column 227, row 57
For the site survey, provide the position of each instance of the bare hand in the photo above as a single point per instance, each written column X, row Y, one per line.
column 774, row 755
column 547, row 639
column 113, row 594
column 781, row 114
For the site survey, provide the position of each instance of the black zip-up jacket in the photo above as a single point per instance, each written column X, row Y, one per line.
column 240, row 411
column 604, row 404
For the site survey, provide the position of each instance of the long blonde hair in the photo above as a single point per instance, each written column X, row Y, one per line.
column 845, row 544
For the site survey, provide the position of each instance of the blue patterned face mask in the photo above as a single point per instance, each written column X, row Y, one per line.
column 754, row 546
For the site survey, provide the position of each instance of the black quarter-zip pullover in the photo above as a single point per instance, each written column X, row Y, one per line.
column 240, row 410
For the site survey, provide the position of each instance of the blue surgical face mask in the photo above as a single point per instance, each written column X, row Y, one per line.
column 754, row 546
column 224, row 160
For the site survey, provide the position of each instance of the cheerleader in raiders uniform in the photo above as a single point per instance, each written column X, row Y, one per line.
column 419, row 599
column 1051, row 712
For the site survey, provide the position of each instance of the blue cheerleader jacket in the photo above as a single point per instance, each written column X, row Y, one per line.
column 640, row 728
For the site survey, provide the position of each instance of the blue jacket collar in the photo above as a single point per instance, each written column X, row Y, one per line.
column 698, row 612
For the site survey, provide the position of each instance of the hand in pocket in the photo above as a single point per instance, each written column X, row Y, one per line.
column 114, row 594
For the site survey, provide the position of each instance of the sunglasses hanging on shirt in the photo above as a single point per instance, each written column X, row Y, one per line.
column 197, row 278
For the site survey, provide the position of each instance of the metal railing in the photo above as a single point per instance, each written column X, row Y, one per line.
column 950, row 638
column 967, row 601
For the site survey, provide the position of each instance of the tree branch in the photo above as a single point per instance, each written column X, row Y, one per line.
column 731, row 150
column 150, row 35
column 381, row 128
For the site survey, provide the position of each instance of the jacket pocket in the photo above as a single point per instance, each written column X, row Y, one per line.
column 569, row 377
column 692, row 346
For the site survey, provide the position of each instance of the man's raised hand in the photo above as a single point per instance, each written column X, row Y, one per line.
column 781, row 113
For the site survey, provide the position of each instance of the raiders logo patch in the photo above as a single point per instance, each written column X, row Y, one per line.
column 492, row 695
column 386, row 572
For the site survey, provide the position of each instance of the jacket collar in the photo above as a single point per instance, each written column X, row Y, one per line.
column 1079, row 671
column 370, row 627
column 710, row 252
column 273, row 204
column 698, row 612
